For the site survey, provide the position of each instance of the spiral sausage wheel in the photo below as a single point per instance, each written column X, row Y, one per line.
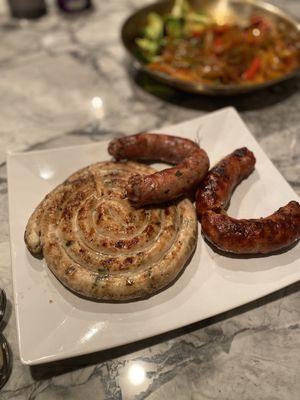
column 98, row 245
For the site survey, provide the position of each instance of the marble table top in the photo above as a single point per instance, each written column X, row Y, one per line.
column 50, row 70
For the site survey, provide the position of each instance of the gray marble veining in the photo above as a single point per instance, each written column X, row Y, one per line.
column 50, row 70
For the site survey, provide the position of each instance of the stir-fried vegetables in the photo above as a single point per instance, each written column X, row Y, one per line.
column 182, row 21
column 189, row 45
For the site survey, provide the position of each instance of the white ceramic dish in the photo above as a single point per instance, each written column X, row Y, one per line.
column 53, row 323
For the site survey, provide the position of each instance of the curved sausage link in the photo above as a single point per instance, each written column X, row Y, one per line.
column 244, row 236
column 216, row 188
column 253, row 236
column 192, row 165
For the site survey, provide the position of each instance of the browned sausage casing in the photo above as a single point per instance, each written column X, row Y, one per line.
column 216, row 188
column 252, row 236
column 241, row 236
column 192, row 165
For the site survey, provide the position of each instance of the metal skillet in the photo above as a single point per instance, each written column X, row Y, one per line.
column 223, row 11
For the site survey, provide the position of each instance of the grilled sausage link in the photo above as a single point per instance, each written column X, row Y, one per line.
column 191, row 161
column 216, row 188
column 253, row 236
column 244, row 236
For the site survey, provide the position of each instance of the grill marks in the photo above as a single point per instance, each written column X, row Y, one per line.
column 252, row 236
column 215, row 190
column 96, row 243
column 242, row 236
column 171, row 183
column 91, row 249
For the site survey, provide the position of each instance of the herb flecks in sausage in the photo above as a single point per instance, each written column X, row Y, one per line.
column 191, row 164
column 100, row 246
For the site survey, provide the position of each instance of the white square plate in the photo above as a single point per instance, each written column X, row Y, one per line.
column 53, row 323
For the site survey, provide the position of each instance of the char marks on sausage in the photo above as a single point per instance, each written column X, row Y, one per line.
column 215, row 190
column 100, row 246
column 191, row 161
column 253, row 236
column 242, row 236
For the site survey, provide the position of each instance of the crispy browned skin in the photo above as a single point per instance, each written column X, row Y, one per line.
column 216, row 188
column 192, row 165
column 242, row 236
column 253, row 236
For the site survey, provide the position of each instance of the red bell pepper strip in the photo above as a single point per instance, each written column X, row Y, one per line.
column 252, row 70
column 218, row 42
column 197, row 34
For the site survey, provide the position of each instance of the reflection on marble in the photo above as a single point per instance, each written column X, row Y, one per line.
column 66, row 81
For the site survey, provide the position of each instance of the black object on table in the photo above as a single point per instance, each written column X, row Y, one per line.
column 72, row 6
column 5, row 355
column 27, row 8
